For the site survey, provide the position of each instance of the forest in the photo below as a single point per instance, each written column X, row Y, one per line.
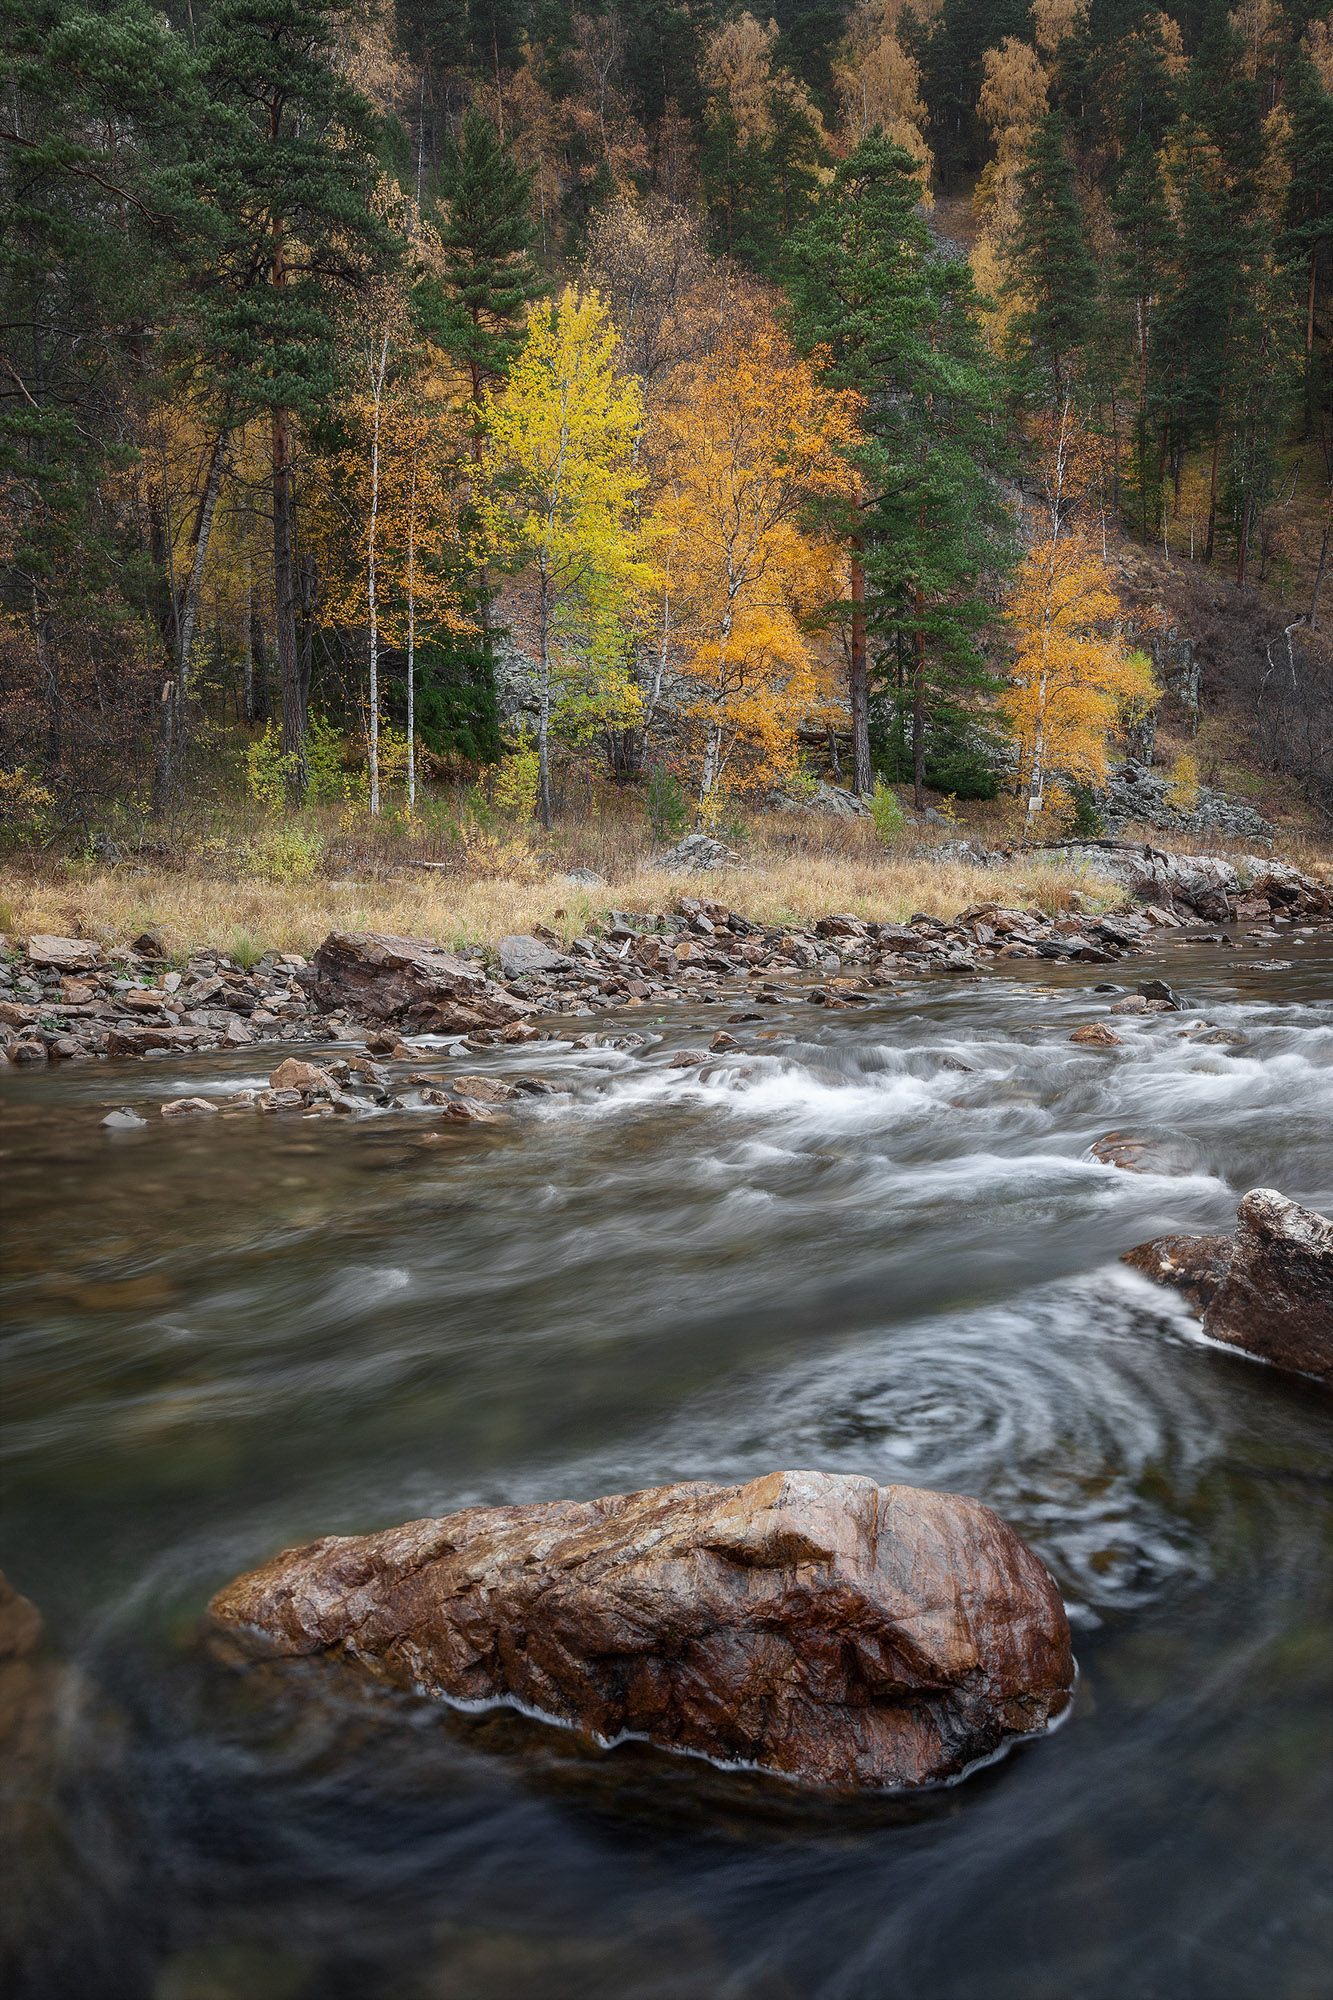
column 502, row 403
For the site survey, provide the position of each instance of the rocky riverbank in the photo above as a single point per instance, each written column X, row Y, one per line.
column 71, row 999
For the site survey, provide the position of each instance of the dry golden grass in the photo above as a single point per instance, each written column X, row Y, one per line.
column 795, row 870
column 197, row 910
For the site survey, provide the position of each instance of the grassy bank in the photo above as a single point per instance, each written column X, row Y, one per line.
column 789, row 875
column 247, row 917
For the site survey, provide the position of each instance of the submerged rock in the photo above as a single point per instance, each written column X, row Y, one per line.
column 1276, row 1299
column 1139, row 1153
column 808, row 1624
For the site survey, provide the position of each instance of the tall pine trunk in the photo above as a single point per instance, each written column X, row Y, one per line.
column 372, row 600
column 544, row 720
column 412, row 640
column 919, row 705
column 203, row 530
column 284, row 612
column 862, row 781
column 284, row 579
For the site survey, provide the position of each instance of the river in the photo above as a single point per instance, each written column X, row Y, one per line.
column 875, row 1246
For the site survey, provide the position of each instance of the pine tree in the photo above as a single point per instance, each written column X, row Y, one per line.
column 1305, row 245
column 899, row 323
column 98, row 220
column 1052, row 272
column 289, row 168
column 1144, row 264
column 487, row 273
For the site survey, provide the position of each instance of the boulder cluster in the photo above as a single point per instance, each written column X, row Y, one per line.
column 66, row 998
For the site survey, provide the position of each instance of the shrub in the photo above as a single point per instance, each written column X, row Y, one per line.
column 886, row 813
column 286, row 852
column 1083, row 817
column 515, row 788
column 245, row 949
column 668, row 812
column 26, row 807
column 1182, row 785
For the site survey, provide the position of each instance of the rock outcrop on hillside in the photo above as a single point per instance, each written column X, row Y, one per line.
column 1137, row 795
column 808, row 1624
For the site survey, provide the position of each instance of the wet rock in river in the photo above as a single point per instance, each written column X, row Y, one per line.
column 1157, row 989
column 1276, row 1299
column 123, row 1120
column 26, row 1052
column 189, row 1107
column 1195, row 1265
column 1136, row 1153
column 484, row 1089
column 292, row 1074
column 808, row 1624
column 1094, row 1034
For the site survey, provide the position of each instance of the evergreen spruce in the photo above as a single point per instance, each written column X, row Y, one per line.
column 489, row 277
column 1053, row 273
column 289, row 169
column 1305, row 244
column 1143, row 274
column 900, row 322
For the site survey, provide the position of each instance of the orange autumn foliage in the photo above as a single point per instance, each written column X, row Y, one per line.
column 1069, row 679
column 750, row 437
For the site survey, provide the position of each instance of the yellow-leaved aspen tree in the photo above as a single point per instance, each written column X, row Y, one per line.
column 560, row 465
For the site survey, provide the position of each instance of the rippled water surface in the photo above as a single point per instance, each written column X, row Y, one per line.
column 870, row 1242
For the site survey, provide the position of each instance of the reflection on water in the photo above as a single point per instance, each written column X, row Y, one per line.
column 869, row 1242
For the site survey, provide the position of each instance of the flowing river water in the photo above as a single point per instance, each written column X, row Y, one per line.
column 873, row 1244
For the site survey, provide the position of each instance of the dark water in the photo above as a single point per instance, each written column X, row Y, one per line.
column 876, row 1247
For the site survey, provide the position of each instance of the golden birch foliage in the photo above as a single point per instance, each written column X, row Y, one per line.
column 1068, row 679
column 648, row 261
column 879, row 85
column 423, row 472
column 1011, row 104
column 1260, row 26
column 1052, row 20
column 750, row 437
column 737, row 67
column 365, row 52
column 1318, row 40
column 600, row 114
column 560, row 466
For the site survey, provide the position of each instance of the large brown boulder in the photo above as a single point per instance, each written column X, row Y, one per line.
column 809, row 1624
column 411, row 981
column 1276, row 1299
